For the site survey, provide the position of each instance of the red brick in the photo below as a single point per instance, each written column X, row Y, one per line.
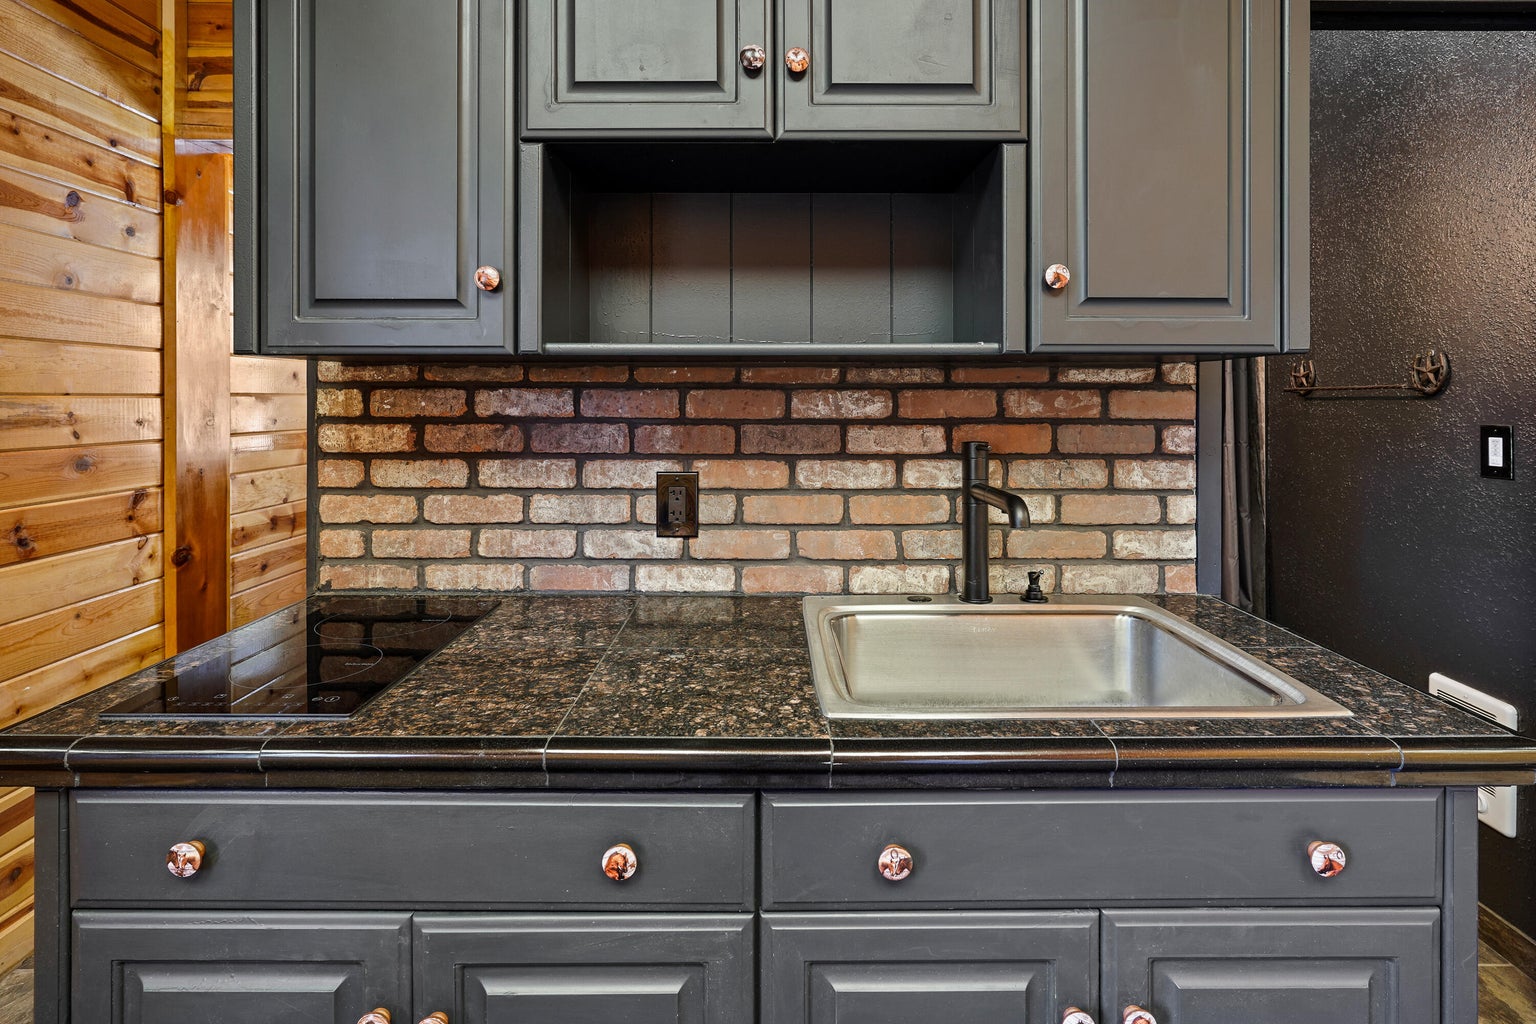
column 527, row 543
column 754, row 545
column 685, row 374
column 1073, row 438
column 1107, row 374
column 342, row 544
column 1155, row 545
column 581, row 438
column 1037, row 543
column 367, row 576
column 634, row 474
column 580, row 578
column 935, row 404
column 846, row 545
column 367, row 508
column 930, row 544
column 419, row 473
column 1180, row 373
column 895, row 375
column 793, row 508
column 473, row 437
column 881, row 439
column 475, row 373
column 1110, row 509
column 1058, row 474
column 1181, row 509
column 1000, row 374
column 501, row 577
column 579, row 374
column 338, row 402
column 742, row 474
column 736, row 404
column 791, row 375
column 630, row 404
column 844, row 404
column 578, row 508
column 1007, row 438
column 338, row 472
column 685, row 579
column 469, row 508
column 1042, row 403
column 1152, row 405
column 886, row 509
column 421, row 543
column 1179, row 579
column 1166, row 475
column 791, row 579
column 630, row 544
column 329, row 370
column 1105, row 578
column 714, row 509
column 544, row 474
column 685, row 440
column 781, row 439
column 898, row 579
column 366, row 437
column 1179, row 440
column 845, row 474
column 408, row 403
column 526, row 403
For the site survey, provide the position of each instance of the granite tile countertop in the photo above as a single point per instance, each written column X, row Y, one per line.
column 660, row 691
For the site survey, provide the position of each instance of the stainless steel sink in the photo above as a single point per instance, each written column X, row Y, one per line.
column 1106, row 657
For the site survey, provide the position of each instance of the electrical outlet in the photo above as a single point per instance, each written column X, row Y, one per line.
column 677, row 504
column 1496, row 805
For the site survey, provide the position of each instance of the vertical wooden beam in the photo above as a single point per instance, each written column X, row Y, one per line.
column 171, row 13
column 200, row 559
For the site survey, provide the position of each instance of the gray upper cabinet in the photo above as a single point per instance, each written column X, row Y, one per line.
column 383, row 181
column 1168, row 151
column 904, row 67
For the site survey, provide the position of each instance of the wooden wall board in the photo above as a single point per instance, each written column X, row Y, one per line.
column 16, row 938
column 48, row 421
column 15, row 817
column 27, row 257
column 44, row 43
column 35, row 147
column 46, row 99
column 31, row 366
column 34, row 587
column 267, row 487
column 267, row 598
column 38, row 531
column 49, row 314
column 258, row 565
column 31, row 477
column 108, row 26
column 263, row 375
column 64, row 632
column 50, row 208
column 268, row 525
column 147, row 11
column 260, row 414
column 16, row 866
column 36, row 691
column 205, row 99
column 285, row 448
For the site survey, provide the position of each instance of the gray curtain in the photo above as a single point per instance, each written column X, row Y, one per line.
column 1243, row 533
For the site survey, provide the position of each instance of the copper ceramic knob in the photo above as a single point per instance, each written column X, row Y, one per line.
column 1073, row 1015
column 895, row 863
column 183, row 859
column 797, row 60
column 753, row 57
column 1136, row 1015
column 1057, row 277
column 620, row 862
column 377, row 1015
column 487, row 279
column 436, row 1017
column 1328, row 859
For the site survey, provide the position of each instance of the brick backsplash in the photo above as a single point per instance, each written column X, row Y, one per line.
column 814, row 479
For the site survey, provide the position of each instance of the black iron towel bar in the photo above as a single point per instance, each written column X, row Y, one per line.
column 1427, row 377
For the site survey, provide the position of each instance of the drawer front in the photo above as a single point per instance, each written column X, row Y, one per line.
column 820, row 850
column 694, row 851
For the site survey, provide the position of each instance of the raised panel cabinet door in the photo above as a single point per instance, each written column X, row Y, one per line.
column 916, row 968
column 577, row 969
column 248, row 968
column 1169, row 164
column 384, row 176
column 951, row 68
column 658, row 69
column 1274, row 966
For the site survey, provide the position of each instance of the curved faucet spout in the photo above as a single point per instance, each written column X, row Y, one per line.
column 976, row 495
column 1018, row 511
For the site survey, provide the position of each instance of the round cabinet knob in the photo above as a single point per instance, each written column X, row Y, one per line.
column 435, row 1017
column 377, row 1015
column 183, row 859
column 895, row 863
column 487, row 279
column 1057, row 277
column 1136, row 1015
column 620, row 862
column 753, row 57
column 1328, row 859
column 1073, row 1015
column 797, row 60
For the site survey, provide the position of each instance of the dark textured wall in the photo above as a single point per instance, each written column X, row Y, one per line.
column 1386, row 544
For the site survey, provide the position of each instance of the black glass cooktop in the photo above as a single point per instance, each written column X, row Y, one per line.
column 322, row 659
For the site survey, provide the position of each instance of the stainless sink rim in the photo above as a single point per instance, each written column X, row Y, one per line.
column 836, row 703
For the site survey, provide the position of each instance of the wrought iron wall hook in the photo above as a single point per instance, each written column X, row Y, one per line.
column 1428, row 376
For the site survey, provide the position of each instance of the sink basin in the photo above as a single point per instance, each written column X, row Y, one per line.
column 1103, row 657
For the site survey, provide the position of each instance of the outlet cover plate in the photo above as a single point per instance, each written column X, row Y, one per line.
column 677, row 504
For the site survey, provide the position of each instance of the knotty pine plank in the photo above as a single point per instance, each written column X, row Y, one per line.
column 44, row 584
column 62, row 105
column 41, row 640
column 108, row 27
column 64, row 265
column 29, row 146
column 58, row 527
column 147, row 11
column 37, row 421
column 15, row 817
column 29, row 366
column 261, row 565
column 266, row 526
column 16, row 938
column 269, row 458
column 266, row 487
column 33, row 477
column 58, row 210
column 16, row 871
column 46, row 44
column 28, row 311
column 263, row 375
column 34, row 692
column 252, row 604
column 262, row 414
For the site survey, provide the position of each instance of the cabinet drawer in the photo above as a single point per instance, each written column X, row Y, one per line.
column 694, row 851
column 1064, row 848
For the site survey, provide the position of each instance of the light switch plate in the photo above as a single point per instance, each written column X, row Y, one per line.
column 1498, row 453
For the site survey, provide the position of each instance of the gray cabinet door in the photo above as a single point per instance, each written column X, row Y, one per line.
column 630, row 968
column 663, row 68
column 1274, row 966
column 916, row 968
column 904, row 67
column 1169, row 158
column 247, row 968
column 384, row 179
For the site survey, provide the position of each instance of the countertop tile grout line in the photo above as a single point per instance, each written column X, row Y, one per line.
column 607, row 652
